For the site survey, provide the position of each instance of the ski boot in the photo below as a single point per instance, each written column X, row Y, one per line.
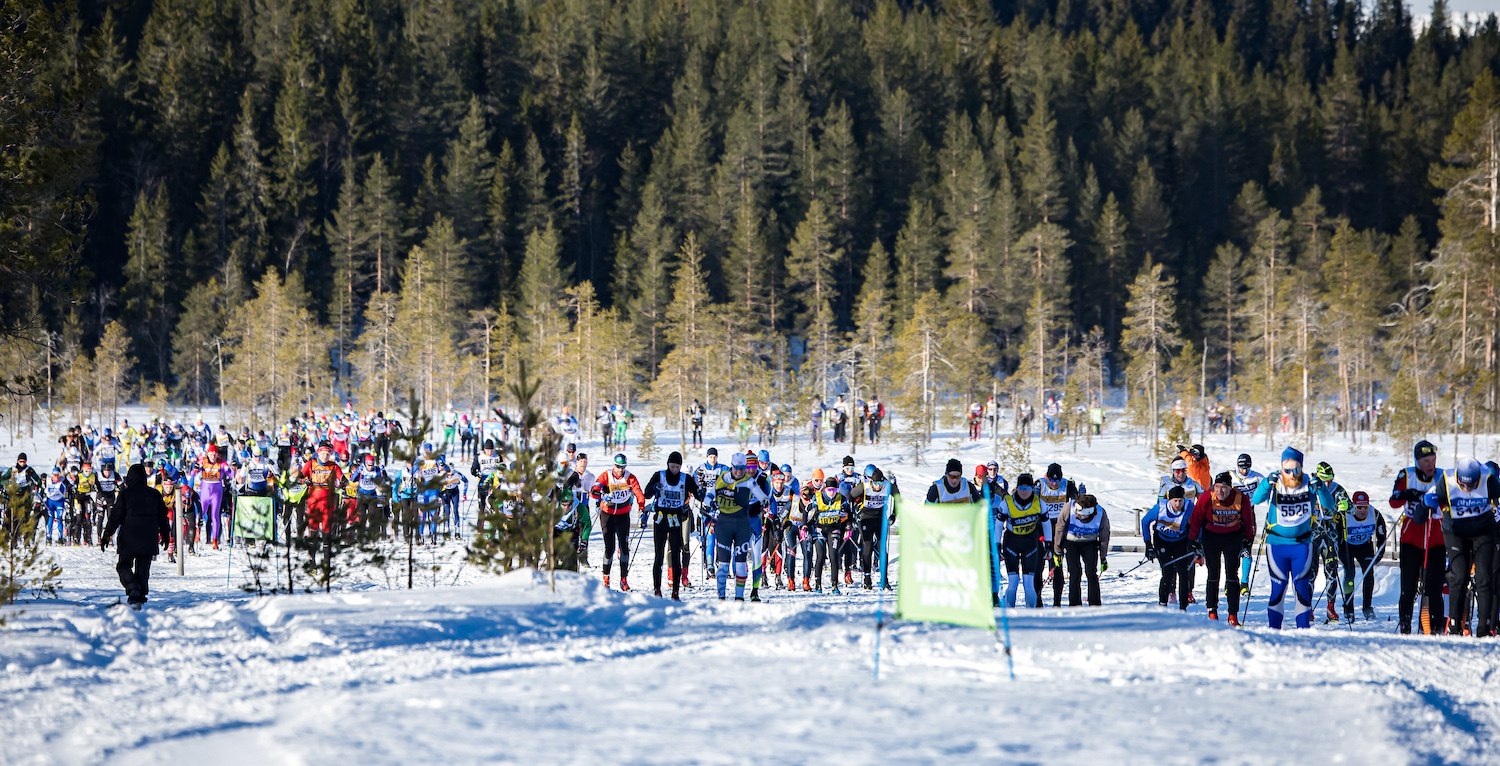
column 780, row 583
column 869, row 584
column 624, row 584
column 836, row 590
column 791, row 584
column 216, row 545
column 1234, row 621
column 1369, row 613
column 1213, row 614
column 848, row 577
column 755, row 595
column 1244, row 591
column 1333, row 614
column 656, row 592
column 606, row 582
column 806, row 588
column 1404, row 627
column 995, row 600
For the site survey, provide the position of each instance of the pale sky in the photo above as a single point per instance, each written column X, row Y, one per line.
column 1462, row 6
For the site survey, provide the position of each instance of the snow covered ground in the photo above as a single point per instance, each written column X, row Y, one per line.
column 507, row 669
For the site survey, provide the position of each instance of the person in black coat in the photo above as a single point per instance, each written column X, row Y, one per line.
column 140, row 515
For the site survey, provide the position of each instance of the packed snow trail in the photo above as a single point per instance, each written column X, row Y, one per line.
column 506, row 670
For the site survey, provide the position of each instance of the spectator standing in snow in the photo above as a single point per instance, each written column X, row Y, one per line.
column 140, row 516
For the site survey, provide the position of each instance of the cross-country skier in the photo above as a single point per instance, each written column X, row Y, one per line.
column 1165, row 528
column 1056, row 494
column 667, row 493
column 617, row 490
column 1466, row 497
column 1364, row 536
column 1423, row 556
column 1082, row 538
column 736, row 496
column 1328, row 536
column 876, row 504
column 1223, row 527
column 1289, row 554
column 1021, row 517
column 830, row 522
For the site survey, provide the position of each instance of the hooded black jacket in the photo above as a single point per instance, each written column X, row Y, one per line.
column 140, row 516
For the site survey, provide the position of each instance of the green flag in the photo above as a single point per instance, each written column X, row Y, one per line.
column 945, row 566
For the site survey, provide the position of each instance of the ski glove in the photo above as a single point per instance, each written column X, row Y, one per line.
column 1150, row 552
column 1056, row 560
column 1103, row 565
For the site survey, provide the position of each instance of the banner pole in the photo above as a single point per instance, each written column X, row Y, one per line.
column 1004, row 635
column 885, row 531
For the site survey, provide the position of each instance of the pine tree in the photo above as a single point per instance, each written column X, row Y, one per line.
column 424, row 328
column 252, row 193
column 920, row 363
column 1267, row 304
column 917, row 254
column 811, row 262
column 1042, row 174
column 292, row 160
column 1150, row 337
column 467, row 170
column 536, row 197
column 452, row 269
column 378, row 356
column 652, row 243
column 380, row 220
column 872, row 318
column 1044, row 247
column 275, row 352
column 347, row 244
column 1354, row 303
column 195, row 345
column 1221, row 310
column 149, row 299
column 113, row 370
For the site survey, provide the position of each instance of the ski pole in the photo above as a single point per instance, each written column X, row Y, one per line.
column 1138, row 565
column 1245, row 606
column 1183, row 557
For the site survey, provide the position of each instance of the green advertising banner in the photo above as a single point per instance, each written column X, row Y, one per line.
column 254, row 518
column 945, row 565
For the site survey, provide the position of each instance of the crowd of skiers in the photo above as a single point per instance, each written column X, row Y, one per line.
column 1446, row 535
column 337, row 470
column 763, row 526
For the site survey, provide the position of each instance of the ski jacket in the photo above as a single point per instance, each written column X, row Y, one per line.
column 1072, row 527
column 1289, row 515
column 616, row 493
column 1163, row 525
column 1422, row 529
column 1465, row 512
column 140, row 516
column 1233, row 515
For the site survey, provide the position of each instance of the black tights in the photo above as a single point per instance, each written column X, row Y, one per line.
column 1222, row 550
column 617, row 533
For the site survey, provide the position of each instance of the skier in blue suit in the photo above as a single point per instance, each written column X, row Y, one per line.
column 1289, row 523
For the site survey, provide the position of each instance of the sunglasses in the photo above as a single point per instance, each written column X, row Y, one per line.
column 1291, row 471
